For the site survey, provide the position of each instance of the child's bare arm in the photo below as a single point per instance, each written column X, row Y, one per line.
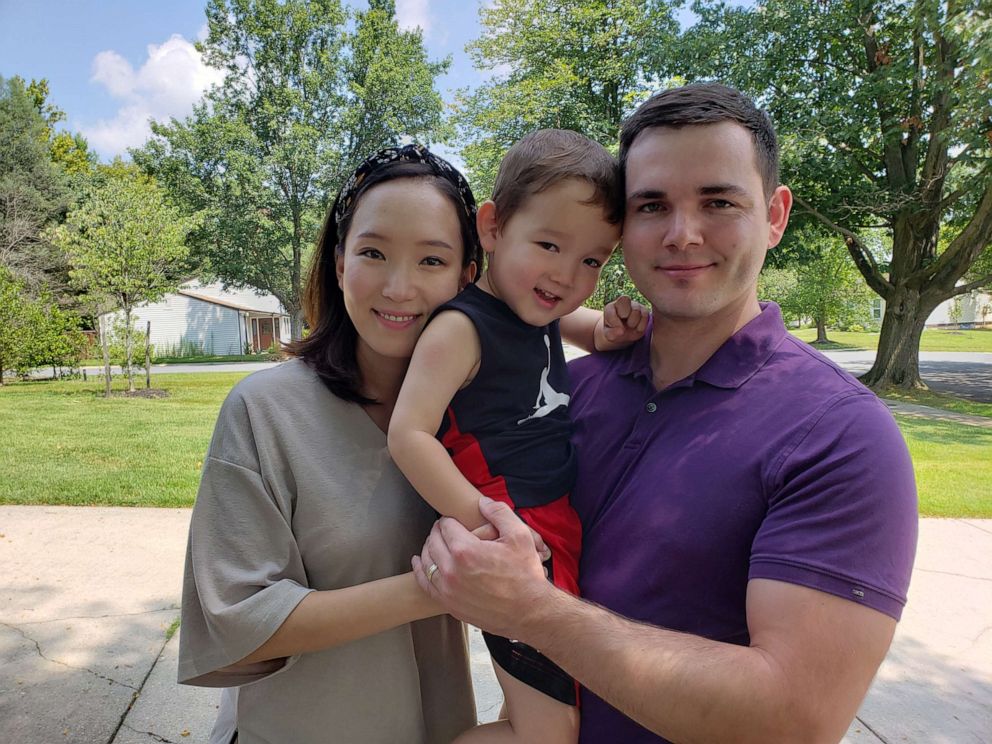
column 579, row 327
column 621, row 323
column 447, row 355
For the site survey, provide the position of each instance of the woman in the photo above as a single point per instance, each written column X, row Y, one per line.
column 297, row 586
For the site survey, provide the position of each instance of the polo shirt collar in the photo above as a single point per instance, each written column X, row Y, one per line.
column 733, row 364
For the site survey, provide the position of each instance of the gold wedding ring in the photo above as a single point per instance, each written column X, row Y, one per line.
column 431, row 571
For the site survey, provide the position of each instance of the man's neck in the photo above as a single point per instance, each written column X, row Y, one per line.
column 680, row 346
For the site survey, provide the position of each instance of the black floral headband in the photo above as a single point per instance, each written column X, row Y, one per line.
column 405, row 154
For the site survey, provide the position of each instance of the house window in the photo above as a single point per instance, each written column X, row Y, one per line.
column 876, row 309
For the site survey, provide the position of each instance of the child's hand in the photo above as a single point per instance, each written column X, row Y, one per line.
column 624, row 322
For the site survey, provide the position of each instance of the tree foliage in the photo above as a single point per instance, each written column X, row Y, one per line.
column 304, row 98
column 35, row 332
column 886, row 115
column 826, row 288
column 32, row 191
column 581, row 64
column 125, row 242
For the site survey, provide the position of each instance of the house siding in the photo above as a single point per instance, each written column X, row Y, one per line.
column 972, row 309
column 181, row 322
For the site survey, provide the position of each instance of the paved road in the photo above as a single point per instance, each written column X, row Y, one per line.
column 171, row 369
column 965, row 374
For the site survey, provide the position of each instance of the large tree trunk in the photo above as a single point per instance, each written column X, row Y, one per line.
column 821, row 331
column 897, row 361
column 296, row 323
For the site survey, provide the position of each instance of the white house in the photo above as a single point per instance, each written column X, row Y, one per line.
column 971, row 310
column 209, row 319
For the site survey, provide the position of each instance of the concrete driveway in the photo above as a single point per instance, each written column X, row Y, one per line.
column 87, row 595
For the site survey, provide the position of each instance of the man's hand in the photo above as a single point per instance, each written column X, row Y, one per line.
column 488, row 532
column 492, row 584
column 624, row 322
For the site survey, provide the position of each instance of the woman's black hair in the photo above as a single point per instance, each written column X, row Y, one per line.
column 330, row 349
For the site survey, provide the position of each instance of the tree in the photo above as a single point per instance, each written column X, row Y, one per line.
column 391, row 85
column 35, row 332
column 302, row 101
column 32, row 192
column 51, row 337
column 124, row 243
column 885, row 110
column 12, row 320
column 579, row 65
column 825, row 288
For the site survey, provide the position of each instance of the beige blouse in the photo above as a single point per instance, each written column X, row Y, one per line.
column 299, row 493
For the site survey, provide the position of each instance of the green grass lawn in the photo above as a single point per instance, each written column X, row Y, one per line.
column 953, row 466
column 932, row 340
column 63, row 443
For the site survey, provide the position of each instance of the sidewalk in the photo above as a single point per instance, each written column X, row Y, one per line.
column 937, row 414
column 87, row 596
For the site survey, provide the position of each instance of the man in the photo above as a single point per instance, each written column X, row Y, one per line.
column 748, row 509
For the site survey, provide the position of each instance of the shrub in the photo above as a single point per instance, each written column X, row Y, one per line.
column 115, row 342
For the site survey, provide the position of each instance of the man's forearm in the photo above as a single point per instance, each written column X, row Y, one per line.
column 680, row 686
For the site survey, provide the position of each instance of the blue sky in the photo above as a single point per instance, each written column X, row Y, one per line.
column 113, row 63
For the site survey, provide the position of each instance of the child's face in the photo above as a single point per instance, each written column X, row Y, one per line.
column 546, row 260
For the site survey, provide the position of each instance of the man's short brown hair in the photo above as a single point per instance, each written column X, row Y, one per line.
column 549, row 156
column 706, row 103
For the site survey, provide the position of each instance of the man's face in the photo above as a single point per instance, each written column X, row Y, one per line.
column 698, row 224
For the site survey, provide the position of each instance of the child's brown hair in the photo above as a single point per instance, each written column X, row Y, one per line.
column 549, row 156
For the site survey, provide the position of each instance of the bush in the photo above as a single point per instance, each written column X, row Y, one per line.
column 36, row 332
column 118, row 353
column 182, row 350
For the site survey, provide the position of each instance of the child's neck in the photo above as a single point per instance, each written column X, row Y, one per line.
column 486, row 286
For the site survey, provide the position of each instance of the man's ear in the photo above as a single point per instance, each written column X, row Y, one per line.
column 778, row 214
column 339, row 268
column 488, row 227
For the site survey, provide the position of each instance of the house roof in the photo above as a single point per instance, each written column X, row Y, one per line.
column 227, row 303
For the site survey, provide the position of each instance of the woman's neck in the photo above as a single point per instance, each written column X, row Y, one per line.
column 382, row 378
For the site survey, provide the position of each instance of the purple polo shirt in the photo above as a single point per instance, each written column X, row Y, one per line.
column 769, row 462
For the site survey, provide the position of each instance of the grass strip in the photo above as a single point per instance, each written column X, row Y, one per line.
column 64, row 444
column 936, row 339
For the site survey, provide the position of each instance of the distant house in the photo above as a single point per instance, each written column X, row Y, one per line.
column 209, row 319
column 971, row 310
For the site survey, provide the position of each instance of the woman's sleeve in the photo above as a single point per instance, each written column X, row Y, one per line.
column 244, row 574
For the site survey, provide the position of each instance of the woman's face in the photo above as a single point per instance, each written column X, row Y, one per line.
column 402, row 258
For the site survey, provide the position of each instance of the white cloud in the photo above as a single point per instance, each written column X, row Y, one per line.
column 168, row 83
column 413, row 13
